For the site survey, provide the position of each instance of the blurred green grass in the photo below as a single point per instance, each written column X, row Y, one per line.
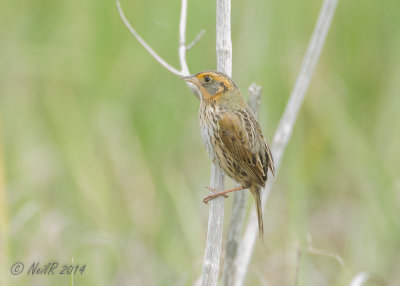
column 103, row 158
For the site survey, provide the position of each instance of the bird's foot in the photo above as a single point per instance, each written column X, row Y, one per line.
column 215, row 195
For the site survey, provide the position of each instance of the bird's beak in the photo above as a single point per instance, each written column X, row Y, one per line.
column 191, row 78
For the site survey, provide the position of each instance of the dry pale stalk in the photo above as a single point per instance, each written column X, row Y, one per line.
column 238, row 207
column 285, row 128
column 212, row 254
column 210, row 269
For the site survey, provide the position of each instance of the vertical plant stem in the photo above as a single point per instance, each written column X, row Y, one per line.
column 182, row 39
column 212, row 253
column 238, row 208
column 286, row 126
column 223, row 37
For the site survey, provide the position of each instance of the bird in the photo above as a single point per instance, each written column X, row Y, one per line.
column 232, row 136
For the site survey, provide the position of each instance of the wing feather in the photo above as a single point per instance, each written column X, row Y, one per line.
column 242, row 136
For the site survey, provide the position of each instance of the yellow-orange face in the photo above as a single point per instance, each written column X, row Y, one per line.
column 211, row 83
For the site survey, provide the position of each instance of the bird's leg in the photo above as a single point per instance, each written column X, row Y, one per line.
column 216, row 192
column 224, row 193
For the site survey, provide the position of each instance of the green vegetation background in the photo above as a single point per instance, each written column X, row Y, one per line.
column 102, row 161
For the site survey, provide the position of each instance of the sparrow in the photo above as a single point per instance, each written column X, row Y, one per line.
column 232, row 136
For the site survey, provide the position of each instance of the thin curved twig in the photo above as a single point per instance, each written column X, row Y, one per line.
column 153, row 53
column 196, row 40
column 286, row 125
column 181, row 50
column 318, row 251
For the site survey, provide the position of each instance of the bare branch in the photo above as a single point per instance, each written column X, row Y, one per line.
column 147, row 46
column 212, row 253
column 314, row 48
column 239, row 207
column 235, row 233
column 286, row 125
column 224, row 41
column 182, row 46
column 196, row 40
column 182, row 38
column 181, row 50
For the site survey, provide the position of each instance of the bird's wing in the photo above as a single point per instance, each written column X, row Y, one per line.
column 270, row 159
column 242, row 136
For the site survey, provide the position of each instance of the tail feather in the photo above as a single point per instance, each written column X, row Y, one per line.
column 256, row 191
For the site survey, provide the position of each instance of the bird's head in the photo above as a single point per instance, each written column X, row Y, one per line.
column 212, row 84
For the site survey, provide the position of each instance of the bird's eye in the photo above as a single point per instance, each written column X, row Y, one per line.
column 207, row 78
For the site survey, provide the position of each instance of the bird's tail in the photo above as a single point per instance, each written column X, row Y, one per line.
column 256, row 191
